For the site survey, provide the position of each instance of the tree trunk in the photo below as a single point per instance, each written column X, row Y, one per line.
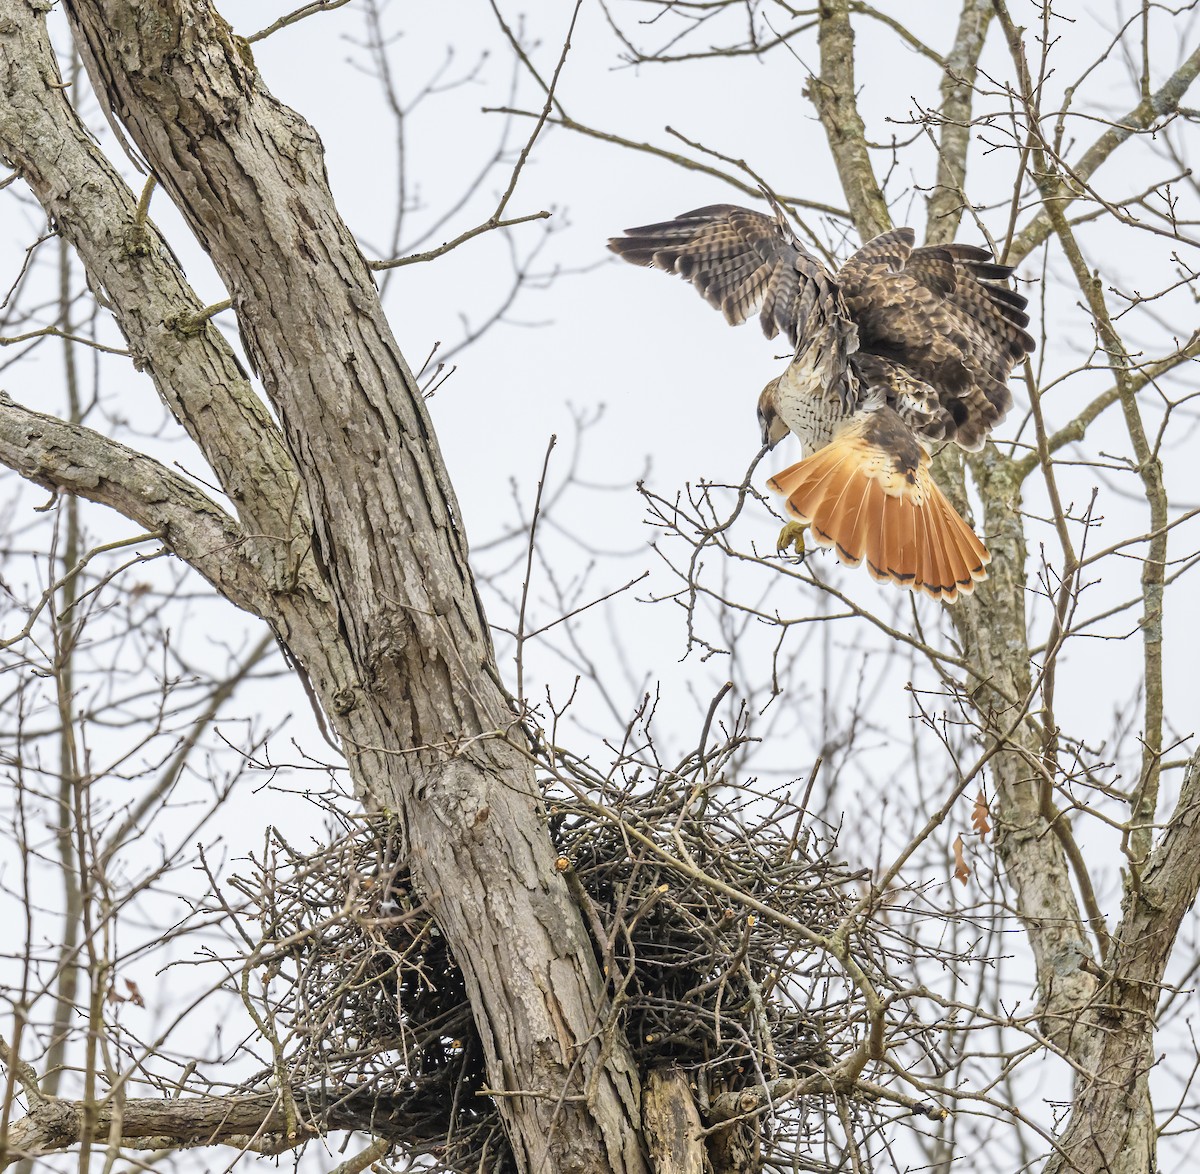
column 377, row 604
column 1105, row 1028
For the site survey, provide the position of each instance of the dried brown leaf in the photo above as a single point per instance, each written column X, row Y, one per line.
column 979, row 816
column 962, row 870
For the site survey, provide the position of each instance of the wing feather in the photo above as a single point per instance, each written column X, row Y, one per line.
column 939, row 329
column 944, row 316
column 741, row 261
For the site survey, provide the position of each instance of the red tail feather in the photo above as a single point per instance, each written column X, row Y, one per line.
column 898, row 522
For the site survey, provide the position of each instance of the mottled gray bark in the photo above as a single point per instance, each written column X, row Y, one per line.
column 195, row 372
column 832, row 92
column 1112, row 1129
column 992, row 627
column 66, row 457
column 349, row 532
column 944, row 211
column 991, row 622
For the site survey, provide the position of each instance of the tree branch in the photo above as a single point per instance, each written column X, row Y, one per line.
column 68, row 458
column 833, row 94
column 958, row 92
column 462, row 238
column 1075, row 431
column 53, row 1125
column 1108, row 1115
column 1161, row 104
column 401, row 660
column 195, row 371
column 746, row 188
column 1147, row 463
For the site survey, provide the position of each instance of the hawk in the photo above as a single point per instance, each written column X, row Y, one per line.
column 903, row 349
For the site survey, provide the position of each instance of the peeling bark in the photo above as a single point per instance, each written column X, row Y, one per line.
column 672, row 1124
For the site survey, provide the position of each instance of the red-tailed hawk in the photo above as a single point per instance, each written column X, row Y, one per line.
column 903, row 349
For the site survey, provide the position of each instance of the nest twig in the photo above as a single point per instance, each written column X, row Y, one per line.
column 369, row 993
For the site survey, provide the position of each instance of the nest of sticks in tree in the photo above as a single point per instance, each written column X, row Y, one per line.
column 687, row 899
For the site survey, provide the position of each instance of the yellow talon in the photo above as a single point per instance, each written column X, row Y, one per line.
column 792, row 535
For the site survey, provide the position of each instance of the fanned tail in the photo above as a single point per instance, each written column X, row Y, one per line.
column 871, row 507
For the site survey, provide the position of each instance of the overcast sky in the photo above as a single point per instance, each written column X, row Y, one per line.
column 677, row 387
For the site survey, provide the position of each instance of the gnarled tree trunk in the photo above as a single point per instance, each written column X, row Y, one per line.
column 348, row 540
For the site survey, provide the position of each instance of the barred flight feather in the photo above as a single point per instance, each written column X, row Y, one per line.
column 903, row 345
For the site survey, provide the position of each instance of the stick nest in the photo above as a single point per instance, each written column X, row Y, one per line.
column 363, row 990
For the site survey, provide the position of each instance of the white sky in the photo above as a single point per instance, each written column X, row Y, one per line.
column 678, row 388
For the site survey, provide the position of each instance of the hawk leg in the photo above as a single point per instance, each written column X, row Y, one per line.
column 792, row 535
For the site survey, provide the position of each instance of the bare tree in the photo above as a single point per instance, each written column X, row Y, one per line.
column 567, row 935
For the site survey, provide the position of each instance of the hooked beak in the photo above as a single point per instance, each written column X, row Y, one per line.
column 769, row 420
column 764, row 422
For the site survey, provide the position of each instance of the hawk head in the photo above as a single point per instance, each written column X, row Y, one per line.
column 773, row 427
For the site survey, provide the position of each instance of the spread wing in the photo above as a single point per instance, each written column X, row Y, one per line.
column 741, row 261
column 946, row 315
